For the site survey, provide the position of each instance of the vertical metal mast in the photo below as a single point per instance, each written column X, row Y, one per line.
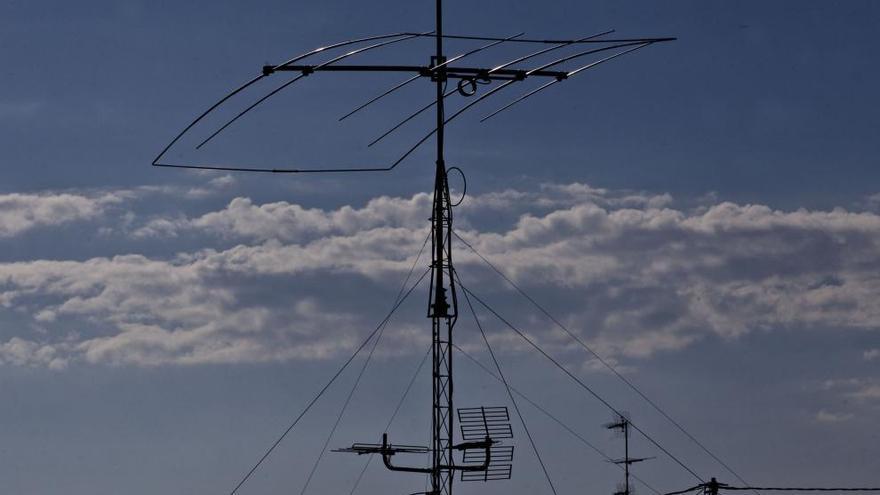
column 442, row 313
column 626, row 456
column 622, row 424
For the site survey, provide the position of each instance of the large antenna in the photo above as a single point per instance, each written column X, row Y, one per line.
column 482, row 427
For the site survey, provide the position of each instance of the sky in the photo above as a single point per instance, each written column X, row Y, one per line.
column 704, row 214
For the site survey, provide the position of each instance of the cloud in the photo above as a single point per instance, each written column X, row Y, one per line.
column 285, row 221
column 630, row 273
column 20, row 352
column 867, row 392
column 22, row 212
column 824, row 416
column 861, row 390
column 871, row 354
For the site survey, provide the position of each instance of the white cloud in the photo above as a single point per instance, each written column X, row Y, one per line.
column 871, row 354
column 285, row 221
column 22, row 212
column 640, row 276
column 20, row 352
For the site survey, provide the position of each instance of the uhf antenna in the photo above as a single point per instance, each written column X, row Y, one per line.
column 468, row 81
column 621, row 424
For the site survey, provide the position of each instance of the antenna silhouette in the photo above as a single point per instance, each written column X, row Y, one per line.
column 481, row 427
column 622, row 425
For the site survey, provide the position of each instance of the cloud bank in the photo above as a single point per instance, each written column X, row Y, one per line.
column 630, row 272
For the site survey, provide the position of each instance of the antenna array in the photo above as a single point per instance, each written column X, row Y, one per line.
column 481, row 428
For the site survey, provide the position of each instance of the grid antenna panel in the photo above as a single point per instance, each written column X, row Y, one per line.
column 500, row 464
column 477, row 423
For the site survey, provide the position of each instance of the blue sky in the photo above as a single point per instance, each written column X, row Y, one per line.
column 704, row 213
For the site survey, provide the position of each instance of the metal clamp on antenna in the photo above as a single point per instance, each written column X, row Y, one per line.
column 437, row 65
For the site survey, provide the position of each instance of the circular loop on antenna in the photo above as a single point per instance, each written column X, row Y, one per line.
column 464, row 184
column 467, row 86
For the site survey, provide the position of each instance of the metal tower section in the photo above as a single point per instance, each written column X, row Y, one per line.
column 442, row 305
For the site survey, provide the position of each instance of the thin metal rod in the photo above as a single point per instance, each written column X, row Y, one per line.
column 410, row 117
column 261, row 76
column 444, row 64
column 551, row 83
column 494, row 70
column 550, row 41
column 545, row 50
column 502, row 86
column 277, row 170
column 295, row 79
column 423, row 71
column 586, row 52
column 377, row 98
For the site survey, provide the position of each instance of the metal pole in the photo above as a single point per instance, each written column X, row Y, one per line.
column 626, row 455
column 442, row 315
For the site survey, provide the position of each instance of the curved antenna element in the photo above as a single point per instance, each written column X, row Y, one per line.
column 302, row 75
column 551, row 83
column 552, row 48
column 244, row 86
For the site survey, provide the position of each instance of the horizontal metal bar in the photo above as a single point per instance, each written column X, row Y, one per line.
column 425, row 71
column 550, row 41
column 273, row 170
column 499, row 455
column 480, row 409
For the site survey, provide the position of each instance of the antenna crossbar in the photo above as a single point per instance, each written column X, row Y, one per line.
column 424, row 71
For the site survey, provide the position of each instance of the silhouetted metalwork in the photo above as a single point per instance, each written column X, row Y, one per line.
column 439, row 71
column 714, row 487
column 622, row 424
column 480, row 422
column 482, row 458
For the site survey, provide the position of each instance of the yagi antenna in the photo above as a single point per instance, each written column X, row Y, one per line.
column 468, row 79
column 482, row 458
column 622, row 424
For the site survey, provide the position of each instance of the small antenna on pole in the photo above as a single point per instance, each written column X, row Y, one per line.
column 621, row 424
